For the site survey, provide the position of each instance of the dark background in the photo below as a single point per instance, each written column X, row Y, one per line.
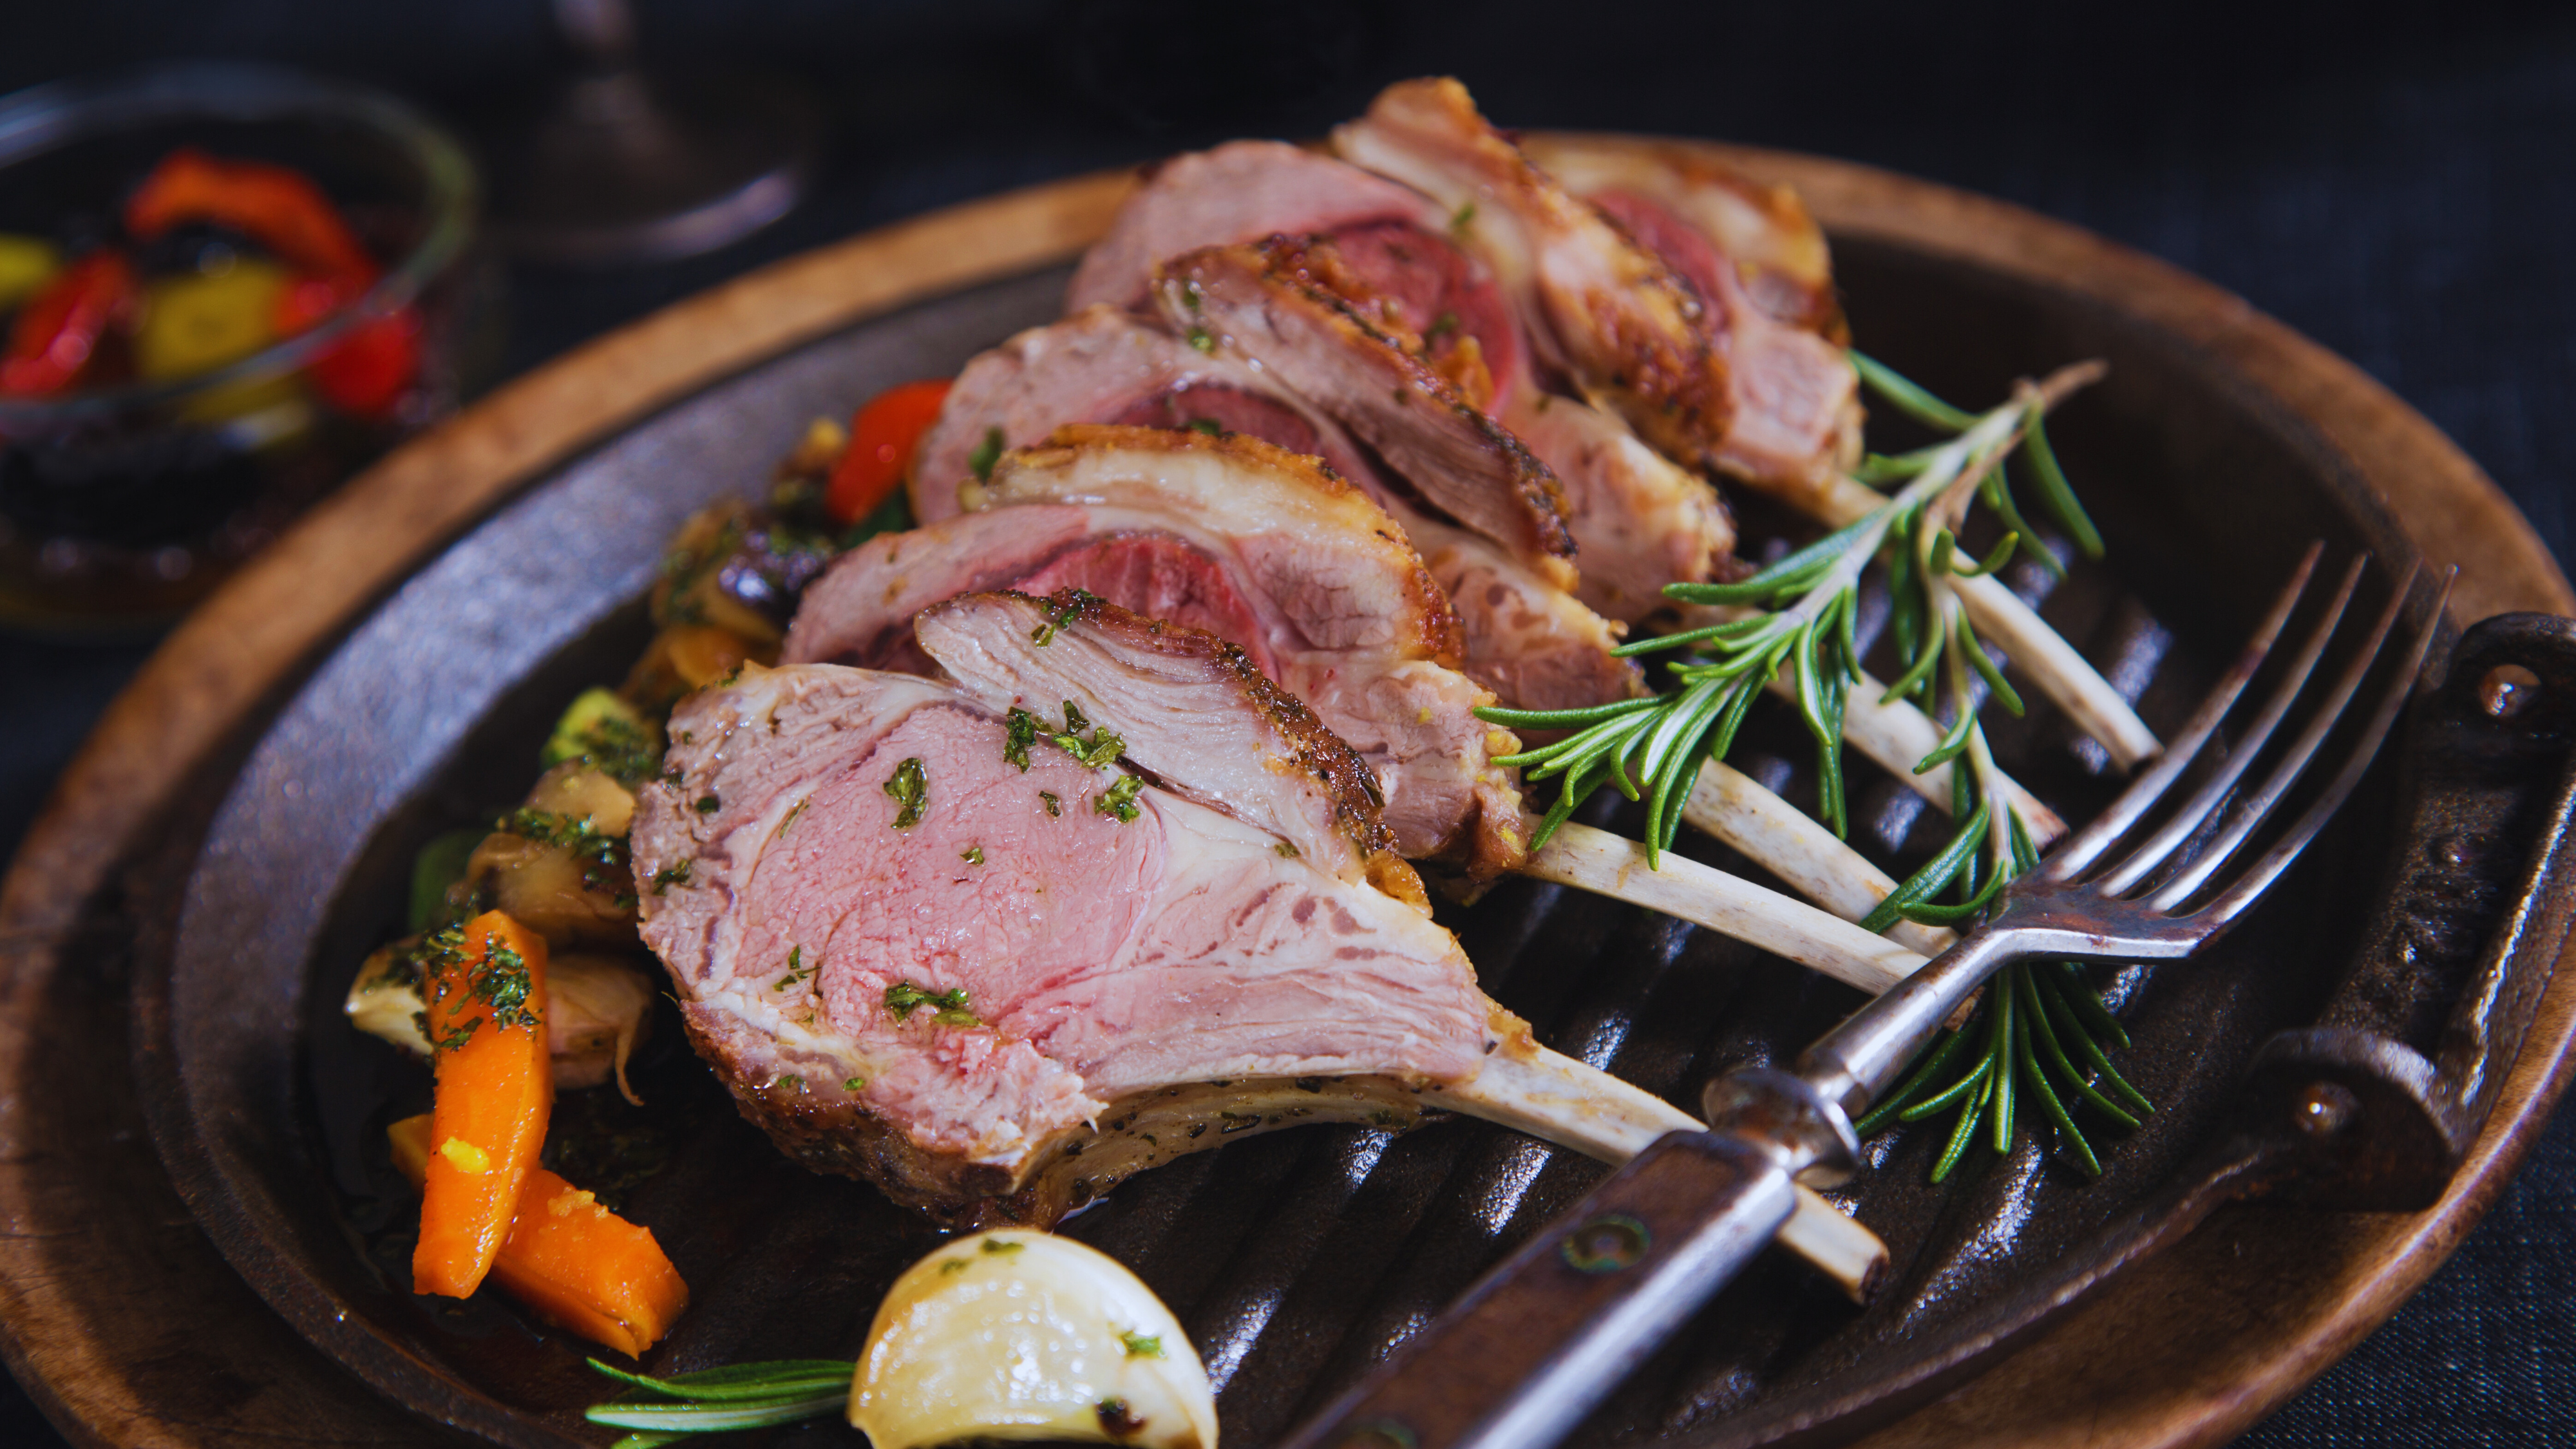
column 2395, row 182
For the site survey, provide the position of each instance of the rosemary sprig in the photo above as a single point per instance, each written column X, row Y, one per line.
column 1800, row 613
column 721, row 1400
column 2039, row 1033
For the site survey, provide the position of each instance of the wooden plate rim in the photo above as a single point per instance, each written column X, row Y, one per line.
column 2248, row 1350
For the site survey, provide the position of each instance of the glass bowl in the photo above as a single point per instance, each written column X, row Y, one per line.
column 119, row 507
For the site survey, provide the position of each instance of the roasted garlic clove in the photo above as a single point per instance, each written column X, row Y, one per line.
column 1023, row 1335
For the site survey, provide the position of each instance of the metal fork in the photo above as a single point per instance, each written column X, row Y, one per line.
column 1536, row 1343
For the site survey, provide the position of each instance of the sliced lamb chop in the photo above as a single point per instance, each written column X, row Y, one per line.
column 1240, row 191
column 1256, row 545
column 1712, row 380
column 915, row 961
column 1523, row 634
column 1699, row 216
column 1316, row 316
column 1639, row 521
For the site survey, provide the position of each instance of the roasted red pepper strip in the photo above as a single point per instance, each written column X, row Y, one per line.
column 365, row 373
column 283, row 210
column 883, row 436
column 58, row 329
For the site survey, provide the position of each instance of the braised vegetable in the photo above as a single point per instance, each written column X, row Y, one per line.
column 883, row 436
column 601, row 729
column 558, row 863
column 486, row 1019
column 574, row 1263
column 598, row 1010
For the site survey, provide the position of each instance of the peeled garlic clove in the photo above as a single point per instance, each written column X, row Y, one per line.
column 1023, row 1335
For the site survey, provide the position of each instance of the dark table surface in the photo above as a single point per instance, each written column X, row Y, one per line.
column 2396, row 182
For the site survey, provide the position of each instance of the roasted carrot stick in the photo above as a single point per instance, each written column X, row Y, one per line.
column 574, row 1263
column 487, row 1021
column 883, row 436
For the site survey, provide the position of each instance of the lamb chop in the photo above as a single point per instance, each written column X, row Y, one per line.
column 1639, row 521
column 1260, row 547
column 1708, row 378
column 994, row 978
column 1702, row 218
column 1526, row 638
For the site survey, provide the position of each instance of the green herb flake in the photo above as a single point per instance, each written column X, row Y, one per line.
column 972, row 855
column 986, row 454
column 792, row 1082
column 1023, row 732
column 1142, row 1345
column 1062, row 611
column 671, row 875
column 1054, row 807
column 951, row 1007
column 1209, row 426
column 910, row 786
column 1287, row 848
column 1120, row 799
column 797, row 971
column 1002, row 1247
column 708, row 805
column 855, row 1084
column 1202, row 339
column 1441, row 326
column 954, row 1265
column 1463, row 218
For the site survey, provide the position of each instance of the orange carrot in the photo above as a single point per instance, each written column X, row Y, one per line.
column 883, row 436
column 574, row 1263
column 487, row 1019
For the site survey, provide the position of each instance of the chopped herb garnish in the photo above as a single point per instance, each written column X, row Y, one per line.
column 602, row 856
column 855, row 1084
column 1202, row 339
column 1441, row 326
column 1094, row 752
column 1054, row 807
column 797, row 971
column 955, row 1265
column 1023, row 732
column 1002, row 1247
column 903, row 999
column 910, row 786
column 972, row 855
column 1209, row 426
column 1463, row 217
column 709, row 805
column 499, row 980
column 1286, row 847
column 1120, row 799
column 1190, row 295
column 792, row 1082
column 607, row 733
column 986, row 454
column 1063, row 613
column 1142, row 1345
column 671, row 875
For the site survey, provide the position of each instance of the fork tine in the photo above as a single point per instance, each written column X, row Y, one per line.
column 2243, row 751
column 2233, row 901
column 2250, row 813
column 2082, row 848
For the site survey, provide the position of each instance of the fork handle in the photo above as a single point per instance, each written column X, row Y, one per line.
column 1539, row 1340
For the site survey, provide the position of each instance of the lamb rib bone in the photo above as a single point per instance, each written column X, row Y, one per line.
column 2043, row 654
